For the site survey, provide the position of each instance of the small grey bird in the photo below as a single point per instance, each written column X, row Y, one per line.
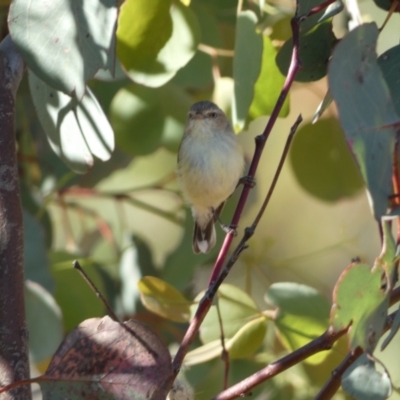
column 210, row 164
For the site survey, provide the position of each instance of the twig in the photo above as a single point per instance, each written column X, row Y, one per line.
column 78, row 267
column 225, row 354
column 249, row 231
column 334, row 382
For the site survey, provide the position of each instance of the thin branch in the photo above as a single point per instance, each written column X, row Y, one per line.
column 225, row 354
column 323, row 342
column 84, row 275
column 206, row 302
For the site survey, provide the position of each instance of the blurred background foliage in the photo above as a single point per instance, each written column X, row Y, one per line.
column 125, row 218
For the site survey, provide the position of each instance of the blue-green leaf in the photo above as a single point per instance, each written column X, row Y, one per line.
column 77, row 130
column 65, row 42
column 246, row 66
column 366, row 111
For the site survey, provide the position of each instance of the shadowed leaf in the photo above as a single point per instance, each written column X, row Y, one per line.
column 366, row 111
column 104, row 359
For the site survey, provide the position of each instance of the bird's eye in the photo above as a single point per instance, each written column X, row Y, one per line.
column 213, row 114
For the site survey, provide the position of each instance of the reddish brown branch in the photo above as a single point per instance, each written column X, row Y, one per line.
column 206, row 302
column 14, row 365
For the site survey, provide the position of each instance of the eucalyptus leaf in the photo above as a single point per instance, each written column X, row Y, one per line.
column 366, row 111
column 363, row 382
column 76, row 130
column 63, row 41
column 175, row 54
column 246, row 66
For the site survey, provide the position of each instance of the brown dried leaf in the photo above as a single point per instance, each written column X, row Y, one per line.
column 103, row 359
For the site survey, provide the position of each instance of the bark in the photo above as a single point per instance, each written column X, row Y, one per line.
column 14, row 363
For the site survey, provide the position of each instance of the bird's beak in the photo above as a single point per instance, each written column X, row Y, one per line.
column 198, row 116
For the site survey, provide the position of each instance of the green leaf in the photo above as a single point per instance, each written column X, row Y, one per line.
column 163, row 299
column 144, row 27
column 204, row 353
column 322, row 162
column 146, row 118
column 76, row 130
column 359, row 300
column 44, row 321
column 242, row 345
column 175, row 54
column 246, row 66
column 302, row 315
column 36, row 261
column 366, row 111
column 248, row 339
column 197, row 73
column 76, row 299
column 237, row 309
column 363, row 382
column 315, row 50
column 389, row 63
column 65, row 43
column 269, row 85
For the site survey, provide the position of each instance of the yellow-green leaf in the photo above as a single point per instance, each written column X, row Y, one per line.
column 163, row 299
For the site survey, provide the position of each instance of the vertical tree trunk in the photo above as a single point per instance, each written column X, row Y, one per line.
column 14, row 363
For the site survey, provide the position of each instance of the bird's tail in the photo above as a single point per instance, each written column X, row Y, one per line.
column 204, row 239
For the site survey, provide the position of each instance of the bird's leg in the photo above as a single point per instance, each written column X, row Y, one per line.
column 226, row 228
column 247, row 181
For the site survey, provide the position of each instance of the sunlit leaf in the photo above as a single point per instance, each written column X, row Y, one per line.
column 359, row 300
column 237, row 308
column 204, row 353
column 163, row 299
column 64, row 42
column 175, row 54
column 144, row 26
column 302, row 315
column 268, row 85
column 248, row 339
column 76, row 130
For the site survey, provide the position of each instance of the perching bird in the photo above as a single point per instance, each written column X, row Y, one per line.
column 210, row 164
